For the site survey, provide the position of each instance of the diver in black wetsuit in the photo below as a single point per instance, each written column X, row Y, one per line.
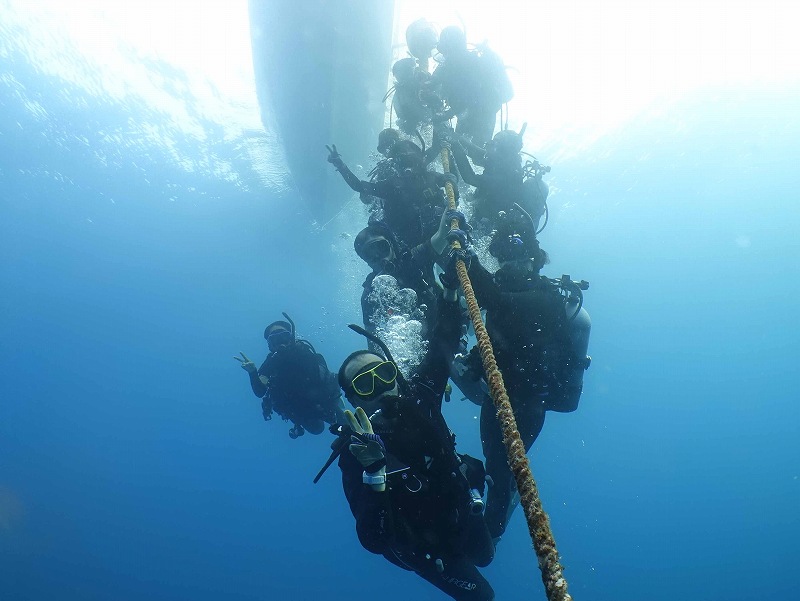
column 383, row 169
column 474, row 85
column 415, row 500
column 294, row 382
column 410, row 85
column 413, row 199
column 411, row 268
column 540, row 335
column 387, row 168
column 505, row 182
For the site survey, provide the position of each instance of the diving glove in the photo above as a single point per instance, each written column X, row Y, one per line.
column 365, row 445
column 368, row 448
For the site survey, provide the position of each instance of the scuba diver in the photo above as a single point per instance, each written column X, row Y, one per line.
column 386, row 168
column 294, row 382
column 383, row 169
column 540, row 334
column 413, row 197
column 386, row 141
column 412, row 268
column 473, row 84
column 415, row 500
column 505, row 182
column 410, row 84
column 413, row 98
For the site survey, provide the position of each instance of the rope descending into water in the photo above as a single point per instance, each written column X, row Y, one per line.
column 538, row 523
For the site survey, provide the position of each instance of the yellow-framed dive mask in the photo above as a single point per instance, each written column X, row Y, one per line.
column 364, row 383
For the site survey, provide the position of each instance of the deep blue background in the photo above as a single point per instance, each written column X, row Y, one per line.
column 134, row 462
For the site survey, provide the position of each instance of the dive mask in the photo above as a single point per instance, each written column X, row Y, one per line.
column 364, row 384
column 279, row 338
column 376, row 250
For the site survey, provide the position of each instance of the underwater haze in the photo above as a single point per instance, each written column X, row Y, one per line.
column 149, row 231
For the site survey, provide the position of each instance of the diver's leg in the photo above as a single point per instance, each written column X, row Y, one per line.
column 529, row 421
column 485, row 122
column 455, row 576
column 313, row 425
column 478, row 544
column 479, row 124
column 472, row 389
column 502, row 497
column 499, row 493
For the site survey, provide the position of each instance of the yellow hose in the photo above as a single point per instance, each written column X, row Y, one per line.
column 538, row 523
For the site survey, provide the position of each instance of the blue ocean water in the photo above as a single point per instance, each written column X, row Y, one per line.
column 138, row 254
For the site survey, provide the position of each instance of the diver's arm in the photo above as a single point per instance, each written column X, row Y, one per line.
column 438, row 241
column 384, row 189
column 335, row 159
column 371, row 508
column 442, row 179
column 469, row 145
column 350, row 178
column 464, row 167
column 434, row 371
column 258, row 383
column 423, row 255
column 486, row 290
column 431, row 154
column 381, row 172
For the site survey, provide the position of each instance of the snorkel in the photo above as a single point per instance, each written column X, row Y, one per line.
column 291, row 323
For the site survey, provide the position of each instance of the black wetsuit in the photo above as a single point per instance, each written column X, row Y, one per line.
column 471, row 95
column 499, row 188
column 528, row 328
column 384, row 169
column 423, row 515
column 411, row 110
column 300, row 387
column 412, row 269
column 412, row 204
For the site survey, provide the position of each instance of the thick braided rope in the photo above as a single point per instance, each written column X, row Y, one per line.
column 538, row 523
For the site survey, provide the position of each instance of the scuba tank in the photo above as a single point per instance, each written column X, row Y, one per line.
column 494, row 72
column 564, row 358
column 560, row 357
column 572, row 360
